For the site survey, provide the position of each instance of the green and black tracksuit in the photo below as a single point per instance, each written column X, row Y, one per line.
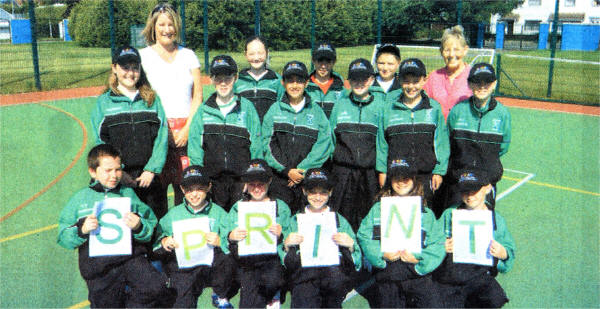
column 470, row 284
column 354, row 125
column 401, row 284
column 262, row 92
column 418, row 134
column 478, row 138
column 140, row 133
column 392, row 93
column 189, row 282
column 325, row 286
column 291, row 140
column 327, row 100
column 260, row 275
column 225, row 145
column 108, row 276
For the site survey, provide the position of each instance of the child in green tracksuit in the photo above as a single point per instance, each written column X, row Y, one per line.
column 190, row 281
column 413, row 127
column 322, row 286
column 354, row 121
column 259, row 84
column 296, row 136
column 471, row 285
column 402, row 278
column 224, row 134
column 261, row 275
column 325, row 87
column 387, row 81
column 107, row 277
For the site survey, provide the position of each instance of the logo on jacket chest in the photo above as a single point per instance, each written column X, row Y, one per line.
column 496, row 123
column 310, row 119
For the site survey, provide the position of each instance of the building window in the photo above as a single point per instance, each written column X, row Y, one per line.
column 532, row 26
column 569, row 3
column 536, row 2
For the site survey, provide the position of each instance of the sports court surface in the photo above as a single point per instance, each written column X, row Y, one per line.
column 549, row 195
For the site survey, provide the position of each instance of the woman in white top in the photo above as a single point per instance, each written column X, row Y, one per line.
column 174, row 73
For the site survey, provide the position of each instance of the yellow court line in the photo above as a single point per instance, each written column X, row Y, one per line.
column 80, row 305
column 554, row 186
column 21, row 235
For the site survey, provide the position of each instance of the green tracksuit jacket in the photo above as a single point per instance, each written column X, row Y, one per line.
column 296, row 140
column 138, row 131
column 342, row 227
column 419, row 134
column 394, row 91
column 216, row 217
column 283, row 215
column 263, row 92
column 224, row 144
column 354, row 125
column 80, row 206
column 432, row 241
column 327, row 100
column 479, row 136
column 501, row 235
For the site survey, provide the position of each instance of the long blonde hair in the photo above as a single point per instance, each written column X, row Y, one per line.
column 456, row 32
column 143, row 85
column 149, row 31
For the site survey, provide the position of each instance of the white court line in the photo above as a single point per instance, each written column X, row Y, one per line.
column 365, row 285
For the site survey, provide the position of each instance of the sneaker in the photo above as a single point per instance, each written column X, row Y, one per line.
column 224, row 304
column 215, row 300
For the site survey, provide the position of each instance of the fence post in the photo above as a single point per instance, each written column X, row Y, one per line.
column 111, row 19
column 553, row 49
column 205, row 25
column 498, row 70
column 459, row 13
column 34, row 49
column 257, row 17
column 379, row 9
column 182, row 14
column 500, row 35
column 313, row 16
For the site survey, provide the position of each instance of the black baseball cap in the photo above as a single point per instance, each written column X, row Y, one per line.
column 482, row 72
column 401, row 168
column 412, row 66
column 296, row 68
column 126, row 54
column 360, row 69
column 257, row 169
column 195, row 174
column 317, row 178
column 470, row 180
column 223, row 64
column 388, row 49
column 324, row 50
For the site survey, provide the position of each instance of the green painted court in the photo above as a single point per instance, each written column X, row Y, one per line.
column 550, row 197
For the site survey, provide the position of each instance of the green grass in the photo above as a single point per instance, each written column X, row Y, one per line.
column 66, row 65
column 556, row 229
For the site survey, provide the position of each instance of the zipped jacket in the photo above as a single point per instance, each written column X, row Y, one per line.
column 394, row 91
column 216, row 220
column 326, row 100
column 432, row 241
column 296, row 140
column 479, row 136
column 80, row 206
column 139, row 132
column 354, row 125
column 418, row 134
column 224, row 144
column 262, row 93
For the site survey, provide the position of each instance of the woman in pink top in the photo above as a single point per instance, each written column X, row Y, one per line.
column 448, row 85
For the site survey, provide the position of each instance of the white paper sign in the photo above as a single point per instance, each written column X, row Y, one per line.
column 193, row 250
column 318, row 247
column 112, row 237
column 472, row 232
column 256, row 218
column 401, row 224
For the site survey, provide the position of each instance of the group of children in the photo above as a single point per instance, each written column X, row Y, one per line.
column 304, row 142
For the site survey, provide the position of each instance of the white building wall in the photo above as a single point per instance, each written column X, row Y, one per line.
column 530, row 11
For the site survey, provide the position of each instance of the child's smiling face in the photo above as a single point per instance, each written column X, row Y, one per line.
column 317, row 198
column 109, row 172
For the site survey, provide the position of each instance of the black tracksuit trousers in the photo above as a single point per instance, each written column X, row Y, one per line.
column 260, row 282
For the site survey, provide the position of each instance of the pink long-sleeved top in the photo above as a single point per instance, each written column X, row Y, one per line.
column 439, row 88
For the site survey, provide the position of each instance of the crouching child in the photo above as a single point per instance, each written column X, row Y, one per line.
column 325, row 283
column 108, row 274
column 190, row 276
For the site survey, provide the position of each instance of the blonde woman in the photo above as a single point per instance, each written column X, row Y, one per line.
column 174, row 73
column 448, row 85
